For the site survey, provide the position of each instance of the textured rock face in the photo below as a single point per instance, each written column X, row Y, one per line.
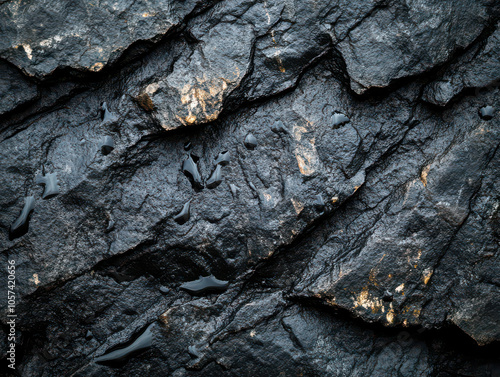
column 359, row 234
column 477, row 68
column 42, row 37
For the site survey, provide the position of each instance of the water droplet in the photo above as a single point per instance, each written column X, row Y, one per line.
column 130, row 311
column 223, row 158
column 20, row 226
column 205, row 284
column 50, row 183
column 108, row 117
column 187, row 145
column 183, row 216
column 216, row 178
column 107, row 145
column 48, row 354
column 339, row 119
column 164, row 290
column 190, row 169
column 250, row 141
column 234, row 189
column 319, row 203
column 193, row 351
column 144, row 341
column 279, row 127
column 387, row 297
column 487, row 112
column 110, row 227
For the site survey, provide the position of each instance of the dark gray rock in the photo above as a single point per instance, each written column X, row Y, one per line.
column 15, row 89
column 429, row 226
column 479, row 69
column 40, row 38
column 194, row 92
column 359, row 245
column 408, row 38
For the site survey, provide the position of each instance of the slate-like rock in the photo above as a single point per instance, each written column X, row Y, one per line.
column 44, row 36
column 479, row 69
column 408, row 38
column 359, row 245
column 15, row 89
column 195, row 91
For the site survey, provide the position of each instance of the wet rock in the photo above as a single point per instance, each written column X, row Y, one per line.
column 194, row 93
column 376, row 55
column 15, row 89
column 84, row 38
column 362, row 248
column 478, row 68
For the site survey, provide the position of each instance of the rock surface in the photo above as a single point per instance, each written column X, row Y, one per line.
column 367, row 246
column 15, row 89
column 478, row 69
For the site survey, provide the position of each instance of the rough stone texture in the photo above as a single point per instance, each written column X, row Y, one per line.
column 15, row 89
column 409, row 37
column 396, row 274
column 478, row 68
column 40, row 37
